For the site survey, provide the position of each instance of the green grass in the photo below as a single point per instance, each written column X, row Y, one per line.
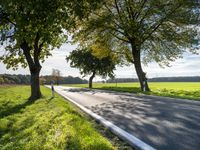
column 46, row 124
column 185, row 90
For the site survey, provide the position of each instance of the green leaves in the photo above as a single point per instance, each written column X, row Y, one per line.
column 162, row 30
column 21, row 21
column 87, row 63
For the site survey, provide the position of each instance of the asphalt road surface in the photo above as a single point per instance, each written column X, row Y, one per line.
column 163, row 123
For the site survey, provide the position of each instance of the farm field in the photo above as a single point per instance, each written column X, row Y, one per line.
column 185, row 90
column 46, row 124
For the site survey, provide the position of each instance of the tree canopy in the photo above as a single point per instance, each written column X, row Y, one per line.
column 31, row 29
column 145, row 31
column 89, row 64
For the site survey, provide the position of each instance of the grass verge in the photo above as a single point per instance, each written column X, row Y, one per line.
column 183, row 90
column 45, row 124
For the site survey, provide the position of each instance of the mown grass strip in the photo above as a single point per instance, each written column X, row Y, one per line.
column 45, row 124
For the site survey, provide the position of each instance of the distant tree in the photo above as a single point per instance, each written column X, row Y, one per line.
column 56, row 75
column 88, row 64
column 1, row 80
column 7, row 81
column 30, row 29
column 145, row 30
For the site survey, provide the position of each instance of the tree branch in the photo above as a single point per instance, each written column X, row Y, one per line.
column 119, row 38
column 154, row 27
column 40, row 46
column 9, row 36
column 26, row 50
column 118, row 11
column 36, row 50
column 129, row 58
column 5, row 16
column 140, row 10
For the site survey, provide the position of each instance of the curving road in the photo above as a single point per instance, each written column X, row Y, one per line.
column 163, row 123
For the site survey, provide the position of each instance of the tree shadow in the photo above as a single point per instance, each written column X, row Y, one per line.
column 118, row 91
column 15, row 109
column 157, row 122
column 122, row 89
column 103, row 89
column 79, row 90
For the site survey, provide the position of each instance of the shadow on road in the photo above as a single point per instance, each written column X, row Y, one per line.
column 166, row 124
column 163, row 123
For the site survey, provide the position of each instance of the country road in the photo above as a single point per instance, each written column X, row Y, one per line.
column 163, row 123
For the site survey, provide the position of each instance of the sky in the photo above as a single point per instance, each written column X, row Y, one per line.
column 189, row 65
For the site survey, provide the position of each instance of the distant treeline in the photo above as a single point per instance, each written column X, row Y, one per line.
column 14, row 79
column 158, row 79
column 62, row 80
column 25, row 79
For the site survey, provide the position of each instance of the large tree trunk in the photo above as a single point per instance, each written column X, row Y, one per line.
column 138, row 67
column 34, row 66
column 91, row 78
column 35, row 84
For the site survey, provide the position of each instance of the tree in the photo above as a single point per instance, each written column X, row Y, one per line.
column 89, row 64
column 145, row 30
column 56, row 75
column 1, row 80
column 31, row 29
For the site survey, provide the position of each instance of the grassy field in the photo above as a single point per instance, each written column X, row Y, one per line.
column 45, row 124
column 186, row 90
